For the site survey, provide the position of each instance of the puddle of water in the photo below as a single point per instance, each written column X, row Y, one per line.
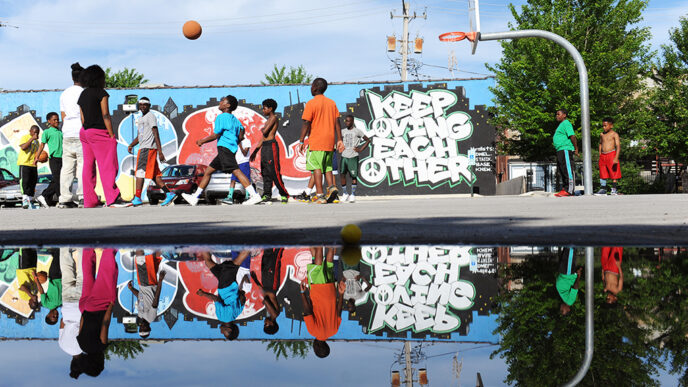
column 454, row 305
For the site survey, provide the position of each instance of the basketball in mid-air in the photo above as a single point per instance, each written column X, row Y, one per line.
column 192, row 30
column 43, row 157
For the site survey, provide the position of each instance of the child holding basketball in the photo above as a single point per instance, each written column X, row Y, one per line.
column 609, row 157
column 321, row 126
column 228, row 131
column 349, row 164
column 53, row 138
column 26, row 160
column 269, row 154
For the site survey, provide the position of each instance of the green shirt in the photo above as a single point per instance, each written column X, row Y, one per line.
column 53, row 297
column 561, row 139
column 565, row 288
column 53, row 137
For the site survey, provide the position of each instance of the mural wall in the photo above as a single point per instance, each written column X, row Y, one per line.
column 426, row 137
column 424, row 292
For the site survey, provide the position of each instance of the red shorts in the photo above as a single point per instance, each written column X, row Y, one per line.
column 609, row 255
column 609, row 170
column 147, row 164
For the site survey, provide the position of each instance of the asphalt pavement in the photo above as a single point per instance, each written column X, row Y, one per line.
column 495, row 220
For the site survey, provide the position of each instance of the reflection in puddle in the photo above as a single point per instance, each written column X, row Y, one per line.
column 525, row 303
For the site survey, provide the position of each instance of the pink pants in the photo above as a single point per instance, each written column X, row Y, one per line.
column 98, row 292
column 99, row 147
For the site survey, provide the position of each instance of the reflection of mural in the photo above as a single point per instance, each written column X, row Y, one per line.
column 427, row 292
column 421, row 133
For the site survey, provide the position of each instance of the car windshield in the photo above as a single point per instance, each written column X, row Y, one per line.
column 177, row 171
column 7, row 175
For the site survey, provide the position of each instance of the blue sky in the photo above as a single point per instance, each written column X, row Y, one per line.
column 341, row 41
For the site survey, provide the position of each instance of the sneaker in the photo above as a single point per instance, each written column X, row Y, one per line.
column 227, row 201
column 25, row 204
column 302, row 197
column 42, row 201
column 169, row 199
column 266, row 199
column 601, row 192
column 34, row 206
column 332, row 193
column 137, row 201
column 190, row 199
column 284, row 199
column 81, row 203
column 67, row 205
column 321, row 200
column 614, row 192
column 313, row 198
column 336, row 199
column 352, row 198
column 344, row 198
column 255, row 199
column 562, row 193
column 120, row 203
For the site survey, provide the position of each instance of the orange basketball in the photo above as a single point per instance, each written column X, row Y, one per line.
column 43, row 157
column 192, row 30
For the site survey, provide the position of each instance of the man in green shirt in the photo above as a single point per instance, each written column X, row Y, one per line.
column 565, row 143
column 567, row 280
column 53, row 137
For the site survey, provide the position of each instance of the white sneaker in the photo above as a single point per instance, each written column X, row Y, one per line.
column 255, row 199
column 352, row 198
column 42, row 201
column 190, row 199
column 344, row 198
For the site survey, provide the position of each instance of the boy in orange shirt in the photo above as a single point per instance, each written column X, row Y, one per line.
column 321, row 126
column 322, row 306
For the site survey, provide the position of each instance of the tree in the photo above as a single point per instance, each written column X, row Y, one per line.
column 541, row 347
column 124, row 349
column 125, row 79
column 280, row 76
column 535, row 77
column 667, row 132
column 289, row 348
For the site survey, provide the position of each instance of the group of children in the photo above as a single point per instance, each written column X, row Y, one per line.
column 234, row 153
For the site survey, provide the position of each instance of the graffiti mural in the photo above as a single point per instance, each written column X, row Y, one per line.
column 422, row 133
column 426, row 292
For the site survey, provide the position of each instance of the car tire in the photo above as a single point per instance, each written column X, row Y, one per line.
column 210, row 199
column 153, row 201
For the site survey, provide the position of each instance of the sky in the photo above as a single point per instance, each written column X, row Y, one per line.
column 340, row 41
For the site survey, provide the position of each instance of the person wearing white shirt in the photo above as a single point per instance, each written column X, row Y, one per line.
column 72, row 154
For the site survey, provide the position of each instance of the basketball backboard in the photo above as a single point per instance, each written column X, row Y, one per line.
column 474, row 21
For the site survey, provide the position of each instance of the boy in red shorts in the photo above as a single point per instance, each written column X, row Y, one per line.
column 609, row 157
column 612, row 275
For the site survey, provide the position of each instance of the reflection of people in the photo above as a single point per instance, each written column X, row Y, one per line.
column 565, row 143
column 72, row 153
column 52, row 136
column 568, row 279
column 270, row 271
column 228, row 131
column 150, row 150
column 322, row 305
column 52, row 298
column 28, row 280
column 230, row 298
column 28, row 173
column 354, row 281
column 321, row 126
column 98, row 295
column 612, row 275
column 150, row 278
column 72, row 279
column 98, row 140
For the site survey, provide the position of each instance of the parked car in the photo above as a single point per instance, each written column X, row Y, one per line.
column 11, row 195
column 7, row 178
column 179, row 178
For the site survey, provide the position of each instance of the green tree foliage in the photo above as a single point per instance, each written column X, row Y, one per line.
column 289, row 348
column 543, row 348
column 535, row 77
column 125, row 79
column 280, row 76
column 667, row 131
column 124, row 349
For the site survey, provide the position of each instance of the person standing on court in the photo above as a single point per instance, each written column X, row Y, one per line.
column 565, row 143
column 72, row 154
column 52, row 137
column 98, row 140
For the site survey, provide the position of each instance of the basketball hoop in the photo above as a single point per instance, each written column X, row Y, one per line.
column 458, row 36
column 452, row 36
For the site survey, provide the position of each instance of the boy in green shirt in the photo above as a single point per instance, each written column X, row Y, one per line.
column 53, row 137
column 565, row 142
column 567, row 282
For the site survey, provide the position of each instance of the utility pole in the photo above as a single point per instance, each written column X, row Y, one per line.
column 407, row 354
column 405, row 39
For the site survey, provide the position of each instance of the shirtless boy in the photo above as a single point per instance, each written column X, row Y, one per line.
column 612, row 275
column 609, row 157
column 269, row 154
